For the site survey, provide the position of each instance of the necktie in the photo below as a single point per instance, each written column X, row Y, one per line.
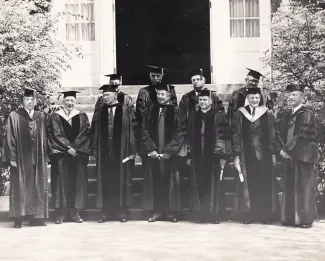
column 253, row 113
column 161, row 131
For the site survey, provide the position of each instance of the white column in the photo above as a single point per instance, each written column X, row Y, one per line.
column 230, row 56
column 107, row 38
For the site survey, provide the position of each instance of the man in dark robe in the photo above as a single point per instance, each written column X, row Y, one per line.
column 298, row 138
column 190, row 103
column 69, row 144
column 162, row 134
column 238, row 97
column 147, row 96
column 123, row 98
column 190, row 100
column 209, row 145
column 25, row 150
column 255, row 128
column 114, row 146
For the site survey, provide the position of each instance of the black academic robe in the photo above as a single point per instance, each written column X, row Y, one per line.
column 69, row 177
column 257, row 194
column 237, row 100
column 113, row 177
column 209, row 141
column 26, row 144
column 147, row 97
column 161, row 177
column 122, row 98
column 298, row 138
column 189, row 103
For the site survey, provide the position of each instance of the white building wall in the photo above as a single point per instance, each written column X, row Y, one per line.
column 230, row 56
column 98, row 56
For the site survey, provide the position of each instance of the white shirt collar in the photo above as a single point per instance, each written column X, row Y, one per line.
column 252, row 108
column 30, row 113
column 113, row 109
column 297, row 108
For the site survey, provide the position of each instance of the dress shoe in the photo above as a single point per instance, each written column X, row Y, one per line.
column 123, row 220
column 18, row 224
column 172, row 219
column 305, row 226
column 287, row 224
column 103, row 219
column 152, row 219
column 78, row 220
column 58, row 221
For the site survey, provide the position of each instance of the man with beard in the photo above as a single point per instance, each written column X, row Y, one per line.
column 69, row 143
column 209, row 144
column 238, row 97
column 162, row 134
column 147, row 96
column 255, row 128
column 25, row 150
column 114, row 146
column 298, row 138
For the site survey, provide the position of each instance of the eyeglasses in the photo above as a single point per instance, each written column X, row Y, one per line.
column 251, row 80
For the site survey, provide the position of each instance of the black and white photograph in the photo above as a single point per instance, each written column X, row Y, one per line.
column 162, row 130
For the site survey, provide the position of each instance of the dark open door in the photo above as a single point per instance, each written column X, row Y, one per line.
column 170, row 33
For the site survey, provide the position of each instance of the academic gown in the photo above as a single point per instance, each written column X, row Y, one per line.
column 237, row 100
column 165, row 134
column 69, row 177
column 209, row 141
column 298, row 138
column 113, row 177
column 147, row 97
column 188, row 104
column 257, row 194
column 122, row 98
column 26, row 144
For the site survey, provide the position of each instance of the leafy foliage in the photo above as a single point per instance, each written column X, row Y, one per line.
column 30, row 53
column 298, row 56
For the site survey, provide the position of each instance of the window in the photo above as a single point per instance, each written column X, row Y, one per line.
column 244, row 18
column 82, row 26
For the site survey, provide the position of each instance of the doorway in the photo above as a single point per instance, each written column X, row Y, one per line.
column 174, row 34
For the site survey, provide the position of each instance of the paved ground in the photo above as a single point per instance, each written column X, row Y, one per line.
column 184, row 241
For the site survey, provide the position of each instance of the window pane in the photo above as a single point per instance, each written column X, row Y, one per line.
column 87, row 12
column 252, row 28
column 72, row 32
column 83, row 27
column 252, row 8
column 236, row 8
column 237, row 28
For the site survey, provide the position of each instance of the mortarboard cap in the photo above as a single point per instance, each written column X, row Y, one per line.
column 115, row 77
column 155, row 69
column 205, row 92
column 30, row 93
column 254, row 73
column 295, row 87
column 69, row 93
column 108, row 88
column 165, row 87
column 253, row 90
column 197, row 72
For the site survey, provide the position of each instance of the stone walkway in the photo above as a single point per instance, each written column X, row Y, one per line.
column 141, row 241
